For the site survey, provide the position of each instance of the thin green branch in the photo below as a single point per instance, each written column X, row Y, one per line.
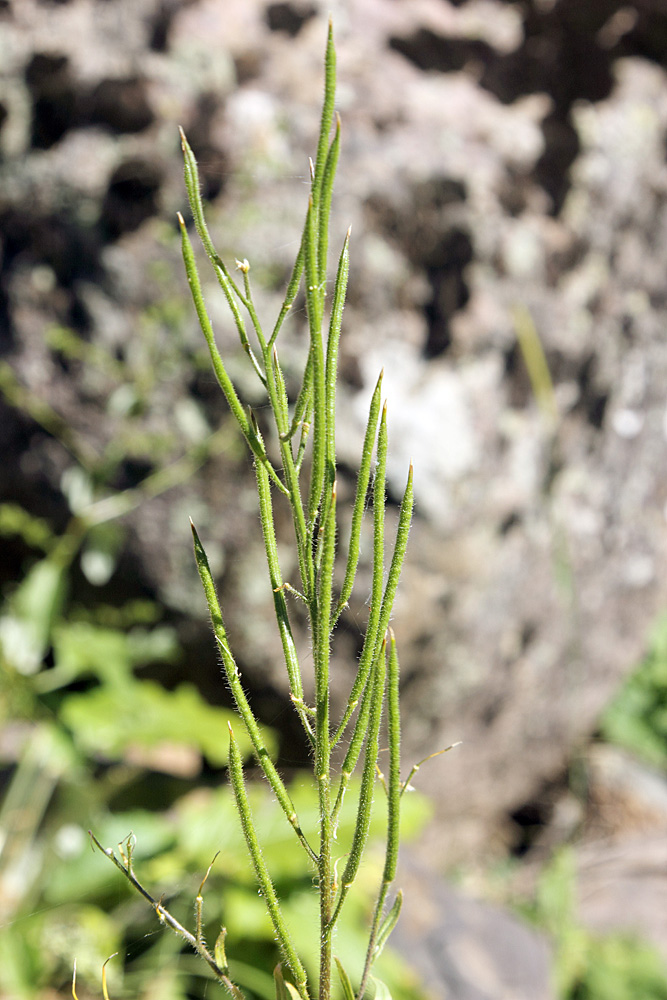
column 165, row 917
column 314, row 310
column 290, row 294
column 406, row 786
column 389, row 596
column 244, row 267
column 324, row 207
column 320, row 623
column 354, row 748
column 193, row 188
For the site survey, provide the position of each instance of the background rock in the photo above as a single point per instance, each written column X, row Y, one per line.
column 465, row 949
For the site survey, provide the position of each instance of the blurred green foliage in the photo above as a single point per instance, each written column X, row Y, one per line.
column 83, row 733
column 79, row 729
column 589, row 966
column 637, row 717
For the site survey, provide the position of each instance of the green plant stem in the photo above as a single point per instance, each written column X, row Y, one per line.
column 314, row 310
column 327, row 116
column 354, row 749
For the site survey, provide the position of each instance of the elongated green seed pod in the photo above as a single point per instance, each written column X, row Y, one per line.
column 261, row 871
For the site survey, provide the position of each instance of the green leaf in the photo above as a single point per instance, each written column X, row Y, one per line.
column 284, row 990
column 377, row 990
column 25, row 631
column 141, row 714
column 17, row 522
column 388, row 925
column 83, row 649
column 348, row 992
column 219, row 952
column 99, row 555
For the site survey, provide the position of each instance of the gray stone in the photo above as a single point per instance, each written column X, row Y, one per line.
column 466, row 949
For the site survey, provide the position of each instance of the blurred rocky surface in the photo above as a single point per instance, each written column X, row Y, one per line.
column 494, row 155
column 622, row 861
column 466, row 949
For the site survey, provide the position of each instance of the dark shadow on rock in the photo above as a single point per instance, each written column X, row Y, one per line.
column 119, row 104
column 70, row 250
column 567, row 52
column 53, row 94
column 132, row 196
column 211, row 160
column 430, row 233
column 288, row 17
